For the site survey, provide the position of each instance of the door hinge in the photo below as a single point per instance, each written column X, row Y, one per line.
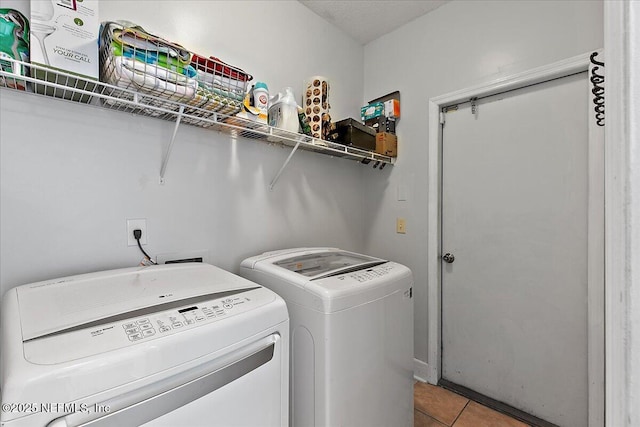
column 445, row 110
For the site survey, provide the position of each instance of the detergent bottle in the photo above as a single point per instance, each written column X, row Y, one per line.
column 261, row 97
column 283, row 112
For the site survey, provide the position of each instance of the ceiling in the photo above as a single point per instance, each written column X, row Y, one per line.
column 367, row 20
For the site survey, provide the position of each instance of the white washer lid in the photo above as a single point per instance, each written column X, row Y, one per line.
column 51, row 306
column 315, row 263
column 323, row 264
column 278, row 254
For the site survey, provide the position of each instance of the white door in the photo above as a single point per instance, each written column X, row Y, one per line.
column 514, row 217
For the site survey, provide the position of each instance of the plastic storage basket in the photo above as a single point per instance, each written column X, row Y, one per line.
column 221, row 88
column 133, row 59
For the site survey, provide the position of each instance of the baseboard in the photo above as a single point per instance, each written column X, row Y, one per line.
column 423, row 372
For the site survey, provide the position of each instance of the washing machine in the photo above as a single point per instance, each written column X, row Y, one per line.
column 351, row 318
column 173, row 345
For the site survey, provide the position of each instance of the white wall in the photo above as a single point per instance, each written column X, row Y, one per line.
column 70, row 174
column 460, row 44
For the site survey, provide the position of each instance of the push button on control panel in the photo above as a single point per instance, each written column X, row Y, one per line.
column 135, row 337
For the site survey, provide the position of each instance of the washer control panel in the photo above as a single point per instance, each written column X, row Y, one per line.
column 165, row 322
column 370, row 273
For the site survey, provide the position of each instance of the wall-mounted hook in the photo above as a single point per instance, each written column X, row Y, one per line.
column 474, row 106
column 597, row 80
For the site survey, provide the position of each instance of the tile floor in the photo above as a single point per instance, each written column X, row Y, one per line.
column 437, row 407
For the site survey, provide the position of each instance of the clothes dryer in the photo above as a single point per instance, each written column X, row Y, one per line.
column 351, row 318
column 172, row 345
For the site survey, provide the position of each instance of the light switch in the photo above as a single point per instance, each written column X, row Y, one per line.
column 401, row 226
column 402, row 192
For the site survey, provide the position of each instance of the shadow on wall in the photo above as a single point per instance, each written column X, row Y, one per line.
column 68, row 188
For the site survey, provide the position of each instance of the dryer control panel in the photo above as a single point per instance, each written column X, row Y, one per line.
column 142, row 325
column 164, row 323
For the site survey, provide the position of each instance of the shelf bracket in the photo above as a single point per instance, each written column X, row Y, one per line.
column 286, row 162
column 167, row 154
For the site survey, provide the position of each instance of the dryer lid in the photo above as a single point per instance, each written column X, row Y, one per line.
column 73, row 302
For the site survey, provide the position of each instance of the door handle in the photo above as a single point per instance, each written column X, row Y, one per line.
column 448, row 258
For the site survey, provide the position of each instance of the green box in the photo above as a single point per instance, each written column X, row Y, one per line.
column 372, row 111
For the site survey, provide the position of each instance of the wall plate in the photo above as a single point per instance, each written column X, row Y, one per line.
column 134, row 224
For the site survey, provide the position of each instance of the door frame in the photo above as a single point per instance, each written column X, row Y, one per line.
column 595, row 238
column 622, row 211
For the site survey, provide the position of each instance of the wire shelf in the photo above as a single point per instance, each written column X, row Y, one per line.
column 56, row 83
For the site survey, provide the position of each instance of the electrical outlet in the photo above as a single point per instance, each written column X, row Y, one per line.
column 135, row 224
column 401, row 226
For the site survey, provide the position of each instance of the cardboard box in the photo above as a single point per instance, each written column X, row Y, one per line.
column 387, row 144
column 64, row 36
column 392, row 108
